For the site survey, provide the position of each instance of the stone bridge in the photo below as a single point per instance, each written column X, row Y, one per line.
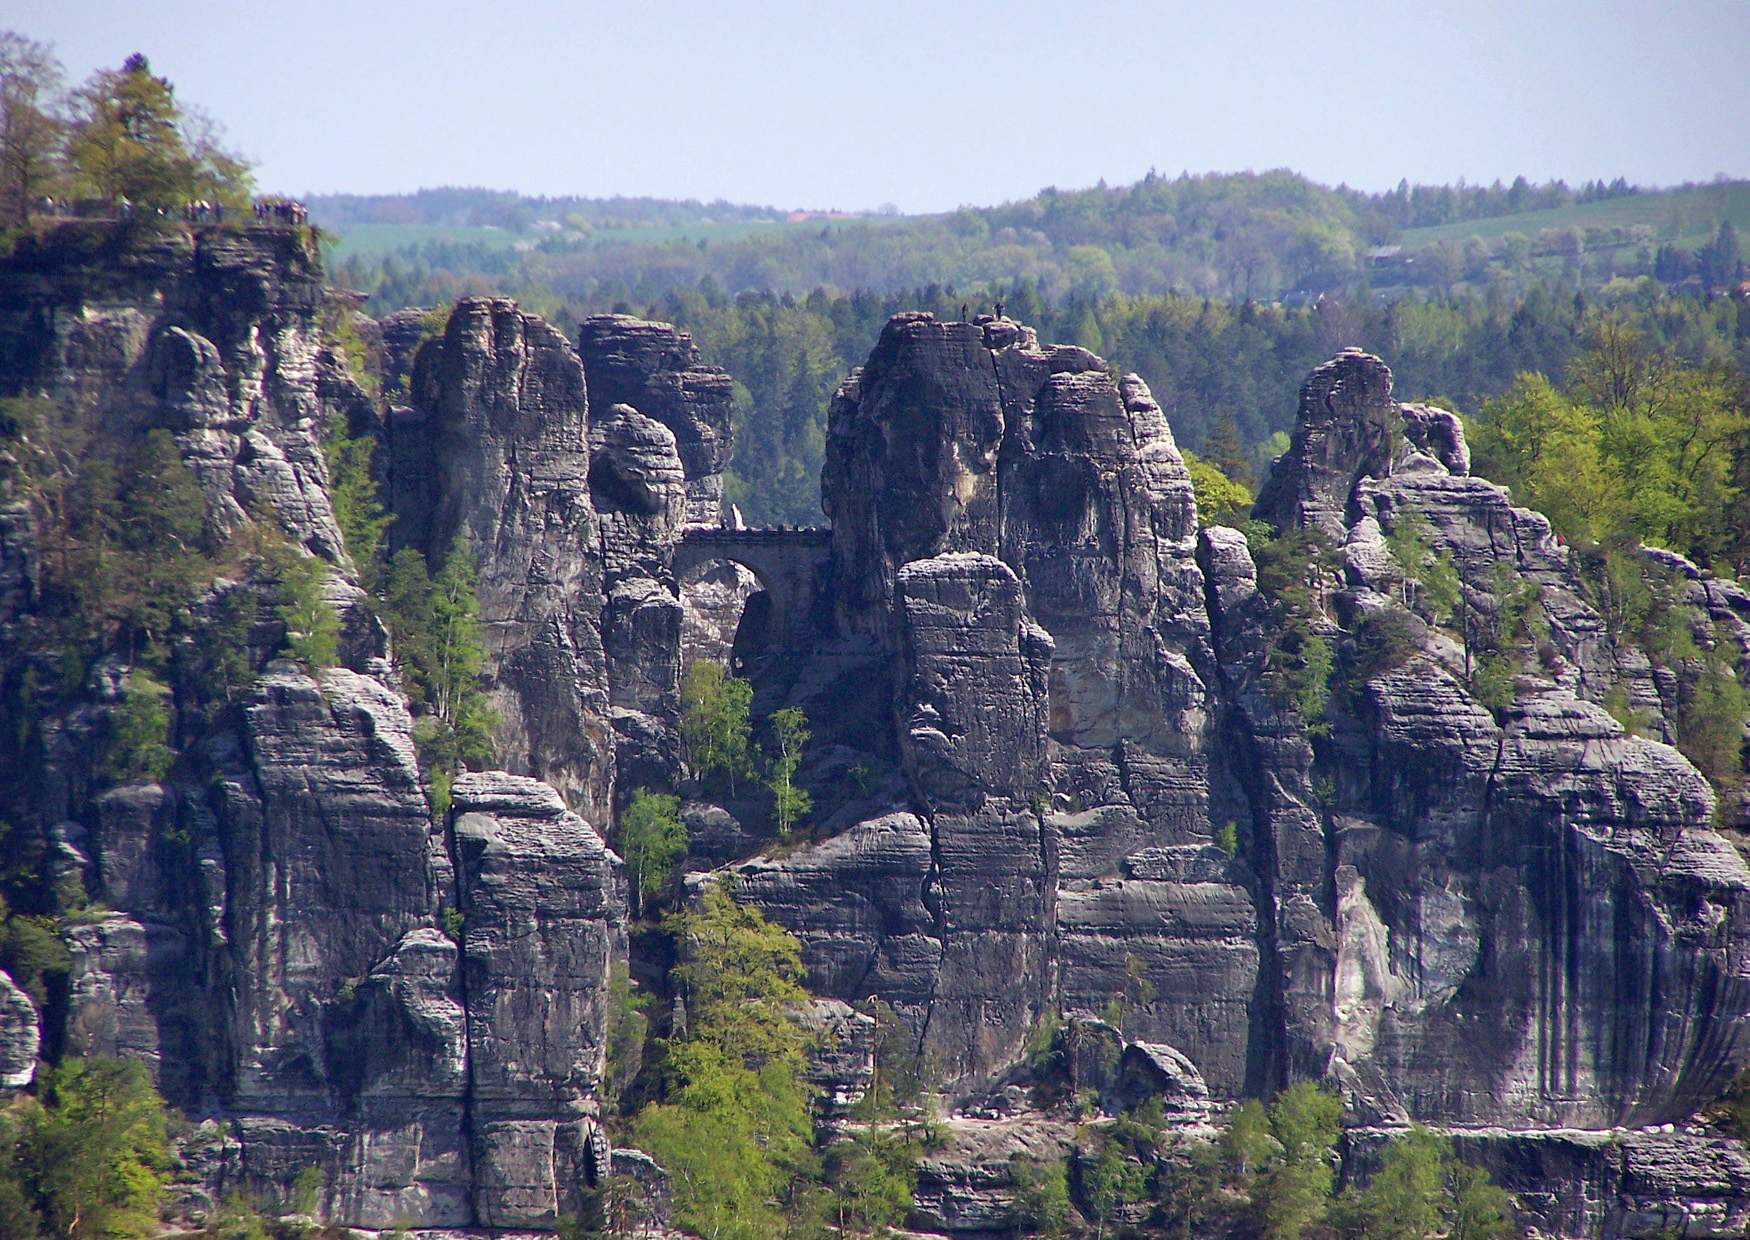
column 785, row 561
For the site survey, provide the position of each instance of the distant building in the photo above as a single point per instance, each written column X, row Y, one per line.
column 1388, row 258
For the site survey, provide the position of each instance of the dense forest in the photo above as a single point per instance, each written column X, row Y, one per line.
column 1243, row 236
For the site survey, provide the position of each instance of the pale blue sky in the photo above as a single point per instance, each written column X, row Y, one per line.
column 929, row 105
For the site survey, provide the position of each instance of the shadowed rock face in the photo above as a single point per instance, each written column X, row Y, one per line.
column 1013, row 529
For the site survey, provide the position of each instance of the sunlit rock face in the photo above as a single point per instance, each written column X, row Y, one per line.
column 1531, row 919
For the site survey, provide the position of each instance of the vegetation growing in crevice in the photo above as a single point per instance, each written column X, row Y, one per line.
column 1221, row 499
column 786, row 732
column 651, row 838
column 716, row 734
column 1271, row 1172
column 88, row 1157
column 719, row 750
column 440, row 649
column 731, row 1115
column 433, row 621
column 352, row 490
column 1430, row 584
column 1292, row 567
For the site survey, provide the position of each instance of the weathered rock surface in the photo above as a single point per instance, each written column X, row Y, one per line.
column 966, row 1187
column 656, row 369
column 639, row 490
column 1510, row 860
column 841, row 1056
column 1049, row 773
column 713, row 601
column 20, row 1036
column 1014, row 531
column 543, row 911
column 210, row 335
column 496, row 450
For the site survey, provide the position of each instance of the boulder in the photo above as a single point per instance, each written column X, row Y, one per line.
column 656, row 370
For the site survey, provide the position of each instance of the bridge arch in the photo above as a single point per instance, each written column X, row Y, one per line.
column 785, row 562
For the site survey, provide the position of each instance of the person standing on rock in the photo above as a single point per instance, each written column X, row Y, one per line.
column 1000, row 310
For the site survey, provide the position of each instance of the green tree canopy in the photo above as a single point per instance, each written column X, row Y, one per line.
column 131, row 138
column 715, row 729
column 735, row 1128
column 651, row 838
column 89, row 1157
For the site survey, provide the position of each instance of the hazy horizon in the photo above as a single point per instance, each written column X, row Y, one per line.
column 930, row 107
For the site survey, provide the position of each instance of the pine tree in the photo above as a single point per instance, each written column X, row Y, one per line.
column 312, row 628
column 1223, row 449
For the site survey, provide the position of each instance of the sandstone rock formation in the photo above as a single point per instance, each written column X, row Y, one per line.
column 1051, row 768
column 638, row 486
column 496, row 450
column 1429, row 904
column 543, row 913
column 20, row 1036
column 1013, row 531
column 1485, row 868
column 267, row 925
column 657, row 370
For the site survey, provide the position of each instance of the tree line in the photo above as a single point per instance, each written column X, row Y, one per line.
column 1246, row 236
column 1227, row 376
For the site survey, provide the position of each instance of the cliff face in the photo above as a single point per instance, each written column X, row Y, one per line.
column 996, row 498
column 495, row 451
column 1459, row 917
column 1051, row 768
column 1506, row 890
column 1517, row 917
column 270, row 925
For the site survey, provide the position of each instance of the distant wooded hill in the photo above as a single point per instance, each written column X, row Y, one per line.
column 1265, row 236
